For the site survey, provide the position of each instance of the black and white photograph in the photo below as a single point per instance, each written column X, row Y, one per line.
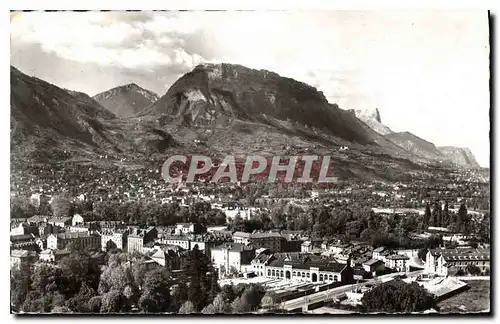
column 257, row 162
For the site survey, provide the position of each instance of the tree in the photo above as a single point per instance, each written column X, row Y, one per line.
column 20, row 282
column 116, row 275
column 79, row 302
column 353, row 228
column 209, row 309
column 473, row 270
column 239, row 306
column 178, row 297
column 114, row 302
column 269, row 301
column 252, row 296
column 94, row 304
column 427, row 216
column 220, row 305
column 398, row 296
column 187, row 308
column 198, row 269
column 61, row 206
column 156, row 292
column 462, row 218
column 436, row 215
column 485, row 228
column 445, row 215
column 422, row 254
column 21, row 207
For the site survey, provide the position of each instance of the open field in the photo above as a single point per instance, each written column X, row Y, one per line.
column 475, row 299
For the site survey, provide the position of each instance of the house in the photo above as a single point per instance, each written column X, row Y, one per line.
column 359, row 273
column 241, row 238
column 444, row 262
column 189, row 228
column 261, row 260
column 178, row 240
column 373, row 265
column 45, row 229
column 272, row 241
column 23, row 242
column 23, row 229
column 60, row 221
column 20, row 259
column 306, row 247
column 77, row 219
column 138, row 238
column 38, row 219
column 167, row 258
column 376, row 253
column 345, row 257
column 53, row 256
column 337, row 247
column 114, row 238
column 228, row 258
column 75, row 240
column 398, row 262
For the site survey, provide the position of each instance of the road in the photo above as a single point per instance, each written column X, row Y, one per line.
column 465, row 278
column 339, row 291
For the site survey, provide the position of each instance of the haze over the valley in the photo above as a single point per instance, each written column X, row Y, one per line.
column 426, row 72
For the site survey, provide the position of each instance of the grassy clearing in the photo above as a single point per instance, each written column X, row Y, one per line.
column 475, row 299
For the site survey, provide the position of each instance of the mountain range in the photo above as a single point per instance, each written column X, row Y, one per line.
column 460, row 156
column 215, row 109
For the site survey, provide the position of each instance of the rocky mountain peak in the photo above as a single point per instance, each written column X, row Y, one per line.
column 126, row 100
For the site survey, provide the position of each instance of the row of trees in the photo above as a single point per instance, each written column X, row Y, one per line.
column 131, row 212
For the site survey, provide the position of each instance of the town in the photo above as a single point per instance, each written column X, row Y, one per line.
column 85, row 239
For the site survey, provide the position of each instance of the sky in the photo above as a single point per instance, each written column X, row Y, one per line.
column 426, row 71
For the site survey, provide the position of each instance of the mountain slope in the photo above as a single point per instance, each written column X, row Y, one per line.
column 416, row 145
column 127, row 100
column 48, row 122
column 214, row 91
column 461, row 156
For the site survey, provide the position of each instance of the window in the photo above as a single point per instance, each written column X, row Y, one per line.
column 308, row 275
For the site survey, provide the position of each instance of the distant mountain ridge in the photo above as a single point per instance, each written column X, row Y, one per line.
column 462, row 156
column 416, row 145
column 126, row 100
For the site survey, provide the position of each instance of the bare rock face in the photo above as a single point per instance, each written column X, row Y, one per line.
column 210, row 91
column 461, row 156
column 127, row 100
column 372, row 119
